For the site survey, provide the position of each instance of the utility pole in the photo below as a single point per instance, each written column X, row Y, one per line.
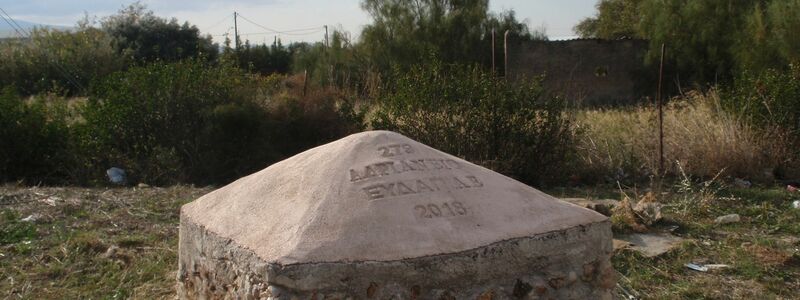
column 505, row 49
column 326, row 36
column 236, row 30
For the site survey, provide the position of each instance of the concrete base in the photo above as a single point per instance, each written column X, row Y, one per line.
column 566, row 264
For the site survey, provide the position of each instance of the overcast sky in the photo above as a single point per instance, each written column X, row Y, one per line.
column 216, row 17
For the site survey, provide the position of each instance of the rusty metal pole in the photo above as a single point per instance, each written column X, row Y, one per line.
column 505, row 49
column 494, row 70
column 660, row 113
column 305, row 82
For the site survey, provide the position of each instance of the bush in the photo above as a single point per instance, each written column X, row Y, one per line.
column 57, row 61
column 177, row 122
column 509, row 127
column 770, row 98
column 190, row 122
column 34, row 140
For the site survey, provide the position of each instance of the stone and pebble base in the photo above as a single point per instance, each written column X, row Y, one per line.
column 569, row 264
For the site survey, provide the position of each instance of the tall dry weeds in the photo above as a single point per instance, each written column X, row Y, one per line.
column 702, row 138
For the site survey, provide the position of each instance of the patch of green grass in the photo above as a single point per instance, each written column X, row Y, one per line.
column 760, row 257
column 102, row 244
column 13, row 230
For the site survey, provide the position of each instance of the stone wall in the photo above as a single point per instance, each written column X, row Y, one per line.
column 590, row 72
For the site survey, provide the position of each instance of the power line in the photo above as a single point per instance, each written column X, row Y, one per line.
column 286, row 32
column 10, row 24
column 64, row 72
column 264, row 33
column 227, row 17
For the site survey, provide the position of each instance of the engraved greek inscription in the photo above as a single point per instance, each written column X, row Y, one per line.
column 369, row 172
column 443, row 210
column 374, row 192
column 422, row 185
column 418, row 165
column 354, row 176
column 423, row 212
column 406, row 166
column 460, row 185
column 450, row 210
column 395, row 150
column 474, row 180
column 460, row 209
column 403, row 189
column 388, row 168
column 451, row 164
column 407, row 148
column 384, row 168
column 435, row 211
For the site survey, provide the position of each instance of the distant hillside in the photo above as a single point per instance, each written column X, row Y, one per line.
column 7, row 31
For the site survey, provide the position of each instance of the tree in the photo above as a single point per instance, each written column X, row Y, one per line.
column 263, row 59
column 404, row 31
column 63, row 62
column 615, row 19
column 701, row 35
column 137, row 33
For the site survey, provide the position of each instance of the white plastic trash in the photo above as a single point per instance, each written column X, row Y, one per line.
column 116, row 175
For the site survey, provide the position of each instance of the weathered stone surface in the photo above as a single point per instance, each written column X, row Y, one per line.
column 378, row 215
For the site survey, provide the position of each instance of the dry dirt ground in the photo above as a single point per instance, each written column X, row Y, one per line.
column 119, row 243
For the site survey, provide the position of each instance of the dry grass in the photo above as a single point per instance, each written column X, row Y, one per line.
column 90, row 243
column 121, row 243
column 699, row 136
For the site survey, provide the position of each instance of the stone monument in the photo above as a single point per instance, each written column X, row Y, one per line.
column 377, row 215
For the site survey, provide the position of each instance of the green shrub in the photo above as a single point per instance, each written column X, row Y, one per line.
column 191, row 122
column 321, row 115
column 34, row 139
column 178, row 122
column 509, row 127
column 57, row 61
column 770, row 98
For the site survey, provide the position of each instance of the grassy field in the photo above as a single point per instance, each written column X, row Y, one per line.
column 101, row 243
column 90, row 243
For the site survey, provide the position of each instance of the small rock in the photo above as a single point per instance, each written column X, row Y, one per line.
column 741, row 183
column 143, row 185
column 651, row 244
column 372, row 289
column 111, row 252
column 648, row 212
column 572, row 277
column 588, row 271
column 620, row 244
column 557, row 282
column 796, row 204
column 727, row 219
column 32, row 218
